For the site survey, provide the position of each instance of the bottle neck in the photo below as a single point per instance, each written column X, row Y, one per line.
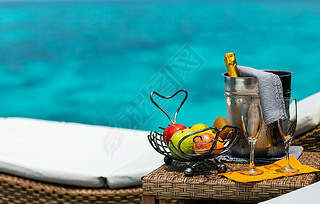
column 231, row 64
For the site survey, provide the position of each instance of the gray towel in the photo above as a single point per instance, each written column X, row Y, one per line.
column 296, row 151
column 270, row 91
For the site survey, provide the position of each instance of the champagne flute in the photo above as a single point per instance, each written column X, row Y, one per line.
column 287, row 127
column 251, row 119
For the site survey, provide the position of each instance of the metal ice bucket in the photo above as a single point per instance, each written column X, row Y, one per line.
column 237, row 91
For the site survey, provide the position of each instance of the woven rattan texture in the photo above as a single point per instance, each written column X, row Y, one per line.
column 309, row 141
column 19, row 190
column 168, row 181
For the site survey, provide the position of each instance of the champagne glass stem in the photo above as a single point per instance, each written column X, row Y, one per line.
column 251, row 165
column 287, row 146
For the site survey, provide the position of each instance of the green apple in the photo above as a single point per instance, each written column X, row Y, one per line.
column 186, row 145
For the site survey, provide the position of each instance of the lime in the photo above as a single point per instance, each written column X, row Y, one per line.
column 186, row 145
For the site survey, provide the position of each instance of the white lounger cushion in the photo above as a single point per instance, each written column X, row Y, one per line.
column 308, row 113
column 75, row 154
column 307, row 194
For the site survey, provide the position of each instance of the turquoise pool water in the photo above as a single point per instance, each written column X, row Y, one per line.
column 96, row 62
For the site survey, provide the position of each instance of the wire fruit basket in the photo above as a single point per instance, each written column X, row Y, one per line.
column 206, row 151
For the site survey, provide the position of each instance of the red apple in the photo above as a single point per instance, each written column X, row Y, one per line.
column 170, row 130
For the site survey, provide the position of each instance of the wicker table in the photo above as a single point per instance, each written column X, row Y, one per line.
column 169, row 182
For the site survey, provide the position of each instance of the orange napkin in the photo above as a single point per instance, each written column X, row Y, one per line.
column 270, row 171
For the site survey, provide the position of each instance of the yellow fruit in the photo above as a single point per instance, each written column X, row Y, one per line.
column 200, row 126
column 219, row 123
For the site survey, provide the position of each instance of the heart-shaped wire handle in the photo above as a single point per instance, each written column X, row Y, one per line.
column 168, row 97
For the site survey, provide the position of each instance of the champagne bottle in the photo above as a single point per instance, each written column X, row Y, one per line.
column 231, row 63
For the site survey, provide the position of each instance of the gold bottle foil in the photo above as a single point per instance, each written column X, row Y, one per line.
column 231, row 64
